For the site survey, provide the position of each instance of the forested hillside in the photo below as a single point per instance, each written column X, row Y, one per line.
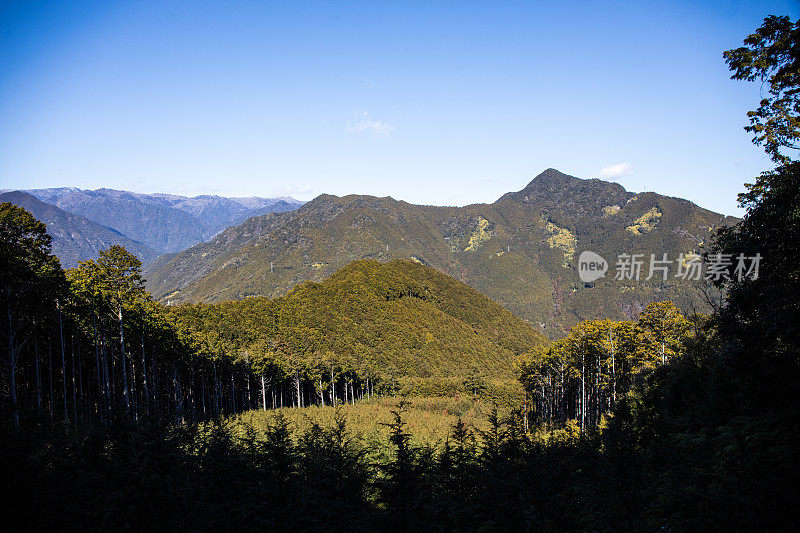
column 521, row 250
column 402, row 324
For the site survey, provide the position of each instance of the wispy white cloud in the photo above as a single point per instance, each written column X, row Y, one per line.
column 294, row 190
column 361, row 123
column 487, row 179
column 615, row 171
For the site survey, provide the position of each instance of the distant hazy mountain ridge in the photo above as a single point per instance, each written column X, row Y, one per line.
column 75, row 237
column 164, row 222
column 157, row 223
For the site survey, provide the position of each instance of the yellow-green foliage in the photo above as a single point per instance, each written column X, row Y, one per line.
column 481, row 234
column 563, row 239
column 505, row 392
column 401, row 322
column 610, row 210
column 646, row 222
column 601, row 359
column 430, row 420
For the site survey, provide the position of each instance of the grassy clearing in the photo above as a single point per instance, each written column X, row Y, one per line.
column 430, row 419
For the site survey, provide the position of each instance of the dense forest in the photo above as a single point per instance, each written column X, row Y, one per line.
column 89, row 345
column 120, row 413
column 582, row 376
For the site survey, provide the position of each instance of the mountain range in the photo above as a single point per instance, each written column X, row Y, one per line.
column 146, row 224
column 75, row 237
column 521, row 250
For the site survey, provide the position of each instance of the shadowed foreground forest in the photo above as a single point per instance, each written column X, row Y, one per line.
column 119, row 413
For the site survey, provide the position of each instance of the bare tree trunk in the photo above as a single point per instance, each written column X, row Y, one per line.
column 203, row 393
column 583, row 391
column 100, row 395
column 124, row 366
column 38, row 377
column 134, row 391
column 50, row 356
column 249, row 397
column 74, row 391
column 613, row 368
column 63, row 367
column 154, row 376
column 233, row 394
column 12, row 367
column 263, row 394
column 297, row 386
column 108, row 402
column 216, row 396
column 333, row 389
column 144, row 381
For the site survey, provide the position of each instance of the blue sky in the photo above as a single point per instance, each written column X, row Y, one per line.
column 430, row 102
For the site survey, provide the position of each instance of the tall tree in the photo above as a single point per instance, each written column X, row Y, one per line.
column 771, row 55
column 30, row 276
column 121, row 285
column 765, row 305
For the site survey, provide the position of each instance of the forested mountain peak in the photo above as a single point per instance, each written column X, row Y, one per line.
column 556, row 191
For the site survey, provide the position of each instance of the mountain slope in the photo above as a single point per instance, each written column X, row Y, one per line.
column 164, row 222
column 520, row 250
column 407, row 320
column 75, row 237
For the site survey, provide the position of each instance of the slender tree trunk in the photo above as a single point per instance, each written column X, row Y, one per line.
column 613, row 368
column 63, row 367
column 125, row 393
column 583, row 391
column 100, row 395
column 144, row 381
column 51, row 404
column 74, row 391
column 191, row 394
column 333, row 389
column 263, row 394
column 203, row 393
column 248, row 405
column 297, row 387
column 80, row 383
column 108, row 400
column 216, row 391
column 154, row 375
column 38, row 377
column 233, row 394
column 12, row 368
column 134, row 391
